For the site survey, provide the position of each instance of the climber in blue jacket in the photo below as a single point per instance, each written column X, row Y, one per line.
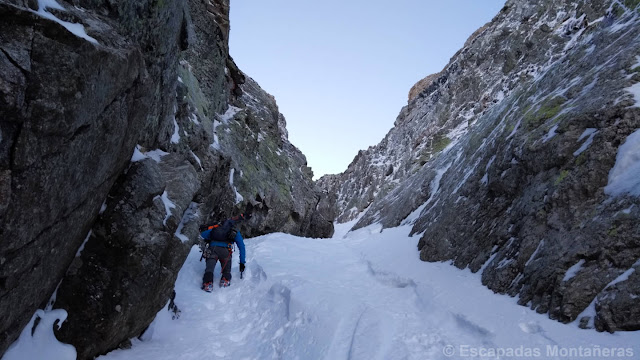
column 220, row 239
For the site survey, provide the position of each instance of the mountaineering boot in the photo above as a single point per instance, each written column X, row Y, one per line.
column 224, row 282
column 208, row 287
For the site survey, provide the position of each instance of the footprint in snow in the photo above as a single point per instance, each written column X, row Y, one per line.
column 389, row 279
column 532, row 327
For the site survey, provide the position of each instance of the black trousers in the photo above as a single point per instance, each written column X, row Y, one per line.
column 224, row 256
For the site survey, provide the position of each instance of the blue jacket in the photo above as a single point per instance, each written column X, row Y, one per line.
column 238, row 240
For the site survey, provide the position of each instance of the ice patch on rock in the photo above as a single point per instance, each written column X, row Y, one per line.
column 590, row 132
column 74, row 28
column 571, row 273
column 624, row 177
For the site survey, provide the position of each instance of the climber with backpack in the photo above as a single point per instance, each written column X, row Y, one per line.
column 219, row 239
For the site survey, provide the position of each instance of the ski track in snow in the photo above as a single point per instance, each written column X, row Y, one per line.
column 360, row 295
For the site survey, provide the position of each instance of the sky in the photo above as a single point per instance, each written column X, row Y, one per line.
column 341, row 70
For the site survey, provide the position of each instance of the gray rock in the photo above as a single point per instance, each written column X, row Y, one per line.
column 270, row 170
column 616, row 305
column 58, row 116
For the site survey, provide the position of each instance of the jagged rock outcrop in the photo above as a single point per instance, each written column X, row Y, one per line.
column 116, row 143
column 421, row 85
column 254, row 136
column 503, row 163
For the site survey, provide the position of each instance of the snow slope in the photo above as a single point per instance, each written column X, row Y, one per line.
column 359, row 295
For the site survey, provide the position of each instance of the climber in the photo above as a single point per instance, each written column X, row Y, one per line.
column 219, row 239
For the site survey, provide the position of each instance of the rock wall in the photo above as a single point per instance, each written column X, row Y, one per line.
column 60, row 114
column 503, row 163
column 115, row 146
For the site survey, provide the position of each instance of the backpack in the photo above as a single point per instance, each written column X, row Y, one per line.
column 224, row 232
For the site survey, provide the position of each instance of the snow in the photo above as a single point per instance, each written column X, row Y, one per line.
column 41, row 343
column 223, row 119
column 75, row 29
column 189, row 214
column 338, row 298
column 79, row 252
column 175, row 138
column 618, row 26
column 49, row 4
column 493, row 158
column 550, row 134
column 239, row 197
column 139, row 155
column 168, row 205
column 156, row 155
column 494, row 253
column 52, row 299
column 103, row 208
column 571, row 273
column 216, row 142
column 456, row 133
column 533, row 256
column 434, row 187
column 515, row 129
column 197, row 159
column 570, row 23
column 485, row 178
column 624, row 276
column 229, row 114
column 194, row 119
column 635, row 91
column 624, row 177
column 587, row 132
column 589, row 312
column 504, row 263
column 468, row 172
column 590, row 132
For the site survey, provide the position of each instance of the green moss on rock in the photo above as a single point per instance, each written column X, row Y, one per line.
column 561, row 177
column 194, row 93
column 547, row 110
column 631, row 4
column 438, row 144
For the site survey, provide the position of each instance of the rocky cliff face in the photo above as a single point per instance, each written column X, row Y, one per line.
column 116, row 141
column 512, row 161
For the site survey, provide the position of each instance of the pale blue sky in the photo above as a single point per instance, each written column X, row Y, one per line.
column 341, row 70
